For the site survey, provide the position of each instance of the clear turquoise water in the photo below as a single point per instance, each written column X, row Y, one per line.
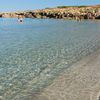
column 34, row 52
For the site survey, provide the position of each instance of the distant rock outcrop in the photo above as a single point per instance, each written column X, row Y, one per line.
column 78, row 13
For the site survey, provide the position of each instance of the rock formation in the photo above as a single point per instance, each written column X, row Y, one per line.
column 78, row 13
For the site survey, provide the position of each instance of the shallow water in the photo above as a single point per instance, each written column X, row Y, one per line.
column 34, row 52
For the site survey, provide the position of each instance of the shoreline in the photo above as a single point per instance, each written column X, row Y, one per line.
column 79, row 82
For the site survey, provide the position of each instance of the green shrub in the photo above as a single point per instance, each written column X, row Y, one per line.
column 70, row 6
column 81, row 6
column 62, row 6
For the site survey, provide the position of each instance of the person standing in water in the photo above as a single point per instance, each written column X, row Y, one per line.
column 20, row 18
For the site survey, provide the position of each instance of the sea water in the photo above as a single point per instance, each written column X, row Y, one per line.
column 36, row 51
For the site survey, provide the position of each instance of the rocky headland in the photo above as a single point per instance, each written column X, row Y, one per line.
column 61, row 12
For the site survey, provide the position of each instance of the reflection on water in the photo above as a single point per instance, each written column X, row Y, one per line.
column 34, row 52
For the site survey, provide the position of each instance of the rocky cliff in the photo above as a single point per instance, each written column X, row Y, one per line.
column 78, row 12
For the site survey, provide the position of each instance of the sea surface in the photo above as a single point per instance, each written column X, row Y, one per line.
column 36, row 51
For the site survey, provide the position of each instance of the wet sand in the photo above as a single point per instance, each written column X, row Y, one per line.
column 79, row 82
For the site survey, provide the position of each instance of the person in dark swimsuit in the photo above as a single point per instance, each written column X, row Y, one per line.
column 20, row 19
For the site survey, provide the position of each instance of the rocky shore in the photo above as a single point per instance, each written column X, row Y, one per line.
column 76, row 12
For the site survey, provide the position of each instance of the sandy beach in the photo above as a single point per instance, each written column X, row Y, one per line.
column 80, row 82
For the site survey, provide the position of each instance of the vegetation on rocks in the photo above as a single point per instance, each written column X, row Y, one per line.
column 70, row 6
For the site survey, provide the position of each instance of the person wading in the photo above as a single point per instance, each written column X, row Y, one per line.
column 20, row 18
